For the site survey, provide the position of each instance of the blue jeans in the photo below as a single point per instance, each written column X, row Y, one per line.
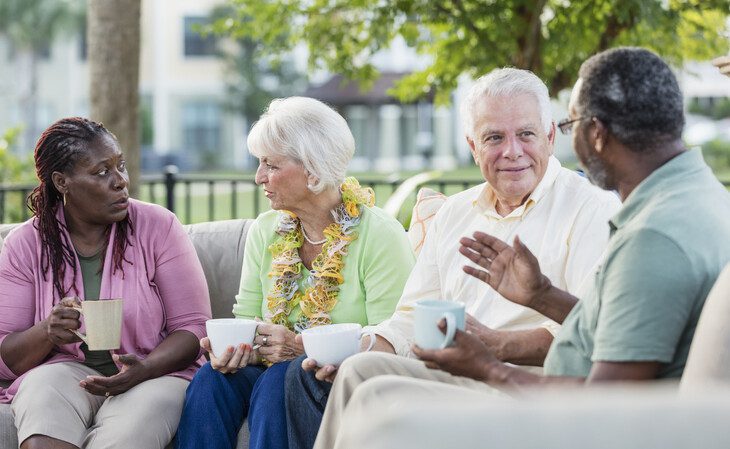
column 217, row 404
column 306, row 398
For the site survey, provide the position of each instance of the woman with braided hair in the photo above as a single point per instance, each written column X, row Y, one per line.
column 87, row 240
column 324, row 254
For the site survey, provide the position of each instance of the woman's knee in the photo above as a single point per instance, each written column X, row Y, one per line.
column 268, row 393
column 205, row 375
column 206, row 381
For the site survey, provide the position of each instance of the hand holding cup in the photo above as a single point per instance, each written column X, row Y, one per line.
column 229, row 343
column 328, row 346
column 62, row 321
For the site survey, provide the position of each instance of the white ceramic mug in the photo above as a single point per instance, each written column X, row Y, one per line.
column 102, row 322
column 225, row 332
column 427, row 315
column 331, row 344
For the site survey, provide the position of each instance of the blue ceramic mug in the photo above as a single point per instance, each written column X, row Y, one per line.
column 428, row 313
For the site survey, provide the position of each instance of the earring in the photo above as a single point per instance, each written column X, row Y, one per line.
column 64, row 199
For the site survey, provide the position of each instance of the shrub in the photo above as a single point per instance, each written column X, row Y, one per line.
column 13, row 170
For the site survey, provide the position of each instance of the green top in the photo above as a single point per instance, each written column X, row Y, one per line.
column 668, row 244
column 91, row 268
column 377, row 265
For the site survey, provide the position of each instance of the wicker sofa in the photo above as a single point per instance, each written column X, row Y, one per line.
column 220, row 247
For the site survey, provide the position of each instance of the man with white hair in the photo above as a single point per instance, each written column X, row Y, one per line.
column 558, row 214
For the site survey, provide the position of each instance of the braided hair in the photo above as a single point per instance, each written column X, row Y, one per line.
column 59, row 149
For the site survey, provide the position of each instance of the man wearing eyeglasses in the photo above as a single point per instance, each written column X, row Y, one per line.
column 557, row 213
column 668, row 244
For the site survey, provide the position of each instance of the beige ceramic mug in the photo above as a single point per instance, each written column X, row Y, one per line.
column 103, row 322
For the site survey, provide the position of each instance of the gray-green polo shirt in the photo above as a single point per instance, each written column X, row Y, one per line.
column 668, row 244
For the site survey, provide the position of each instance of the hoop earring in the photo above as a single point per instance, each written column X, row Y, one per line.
column 64, row 199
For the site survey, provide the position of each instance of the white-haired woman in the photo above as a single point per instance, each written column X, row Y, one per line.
column 324, row 254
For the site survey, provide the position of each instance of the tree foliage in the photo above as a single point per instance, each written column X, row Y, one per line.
column 14, row 170
column 550, row 37
column 12, row 167
column 253, row 78
column 33, row 24
column 31, row 27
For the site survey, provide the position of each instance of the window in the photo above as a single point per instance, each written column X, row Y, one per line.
column 201, row 122
column 195, row 43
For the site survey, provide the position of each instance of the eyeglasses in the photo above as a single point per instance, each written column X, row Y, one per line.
column 566, row 125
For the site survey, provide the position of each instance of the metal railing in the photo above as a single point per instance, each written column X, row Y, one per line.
column 195, row 198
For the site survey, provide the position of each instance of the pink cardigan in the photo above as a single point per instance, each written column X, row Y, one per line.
column 164, row 289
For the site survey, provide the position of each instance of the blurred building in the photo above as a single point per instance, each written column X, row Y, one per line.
column 181, row 87
column 182, row 91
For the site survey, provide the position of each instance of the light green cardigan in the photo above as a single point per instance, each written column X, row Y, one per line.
column 376, row 268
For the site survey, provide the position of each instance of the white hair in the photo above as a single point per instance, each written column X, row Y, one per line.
column 309, row 132
column 509, row 82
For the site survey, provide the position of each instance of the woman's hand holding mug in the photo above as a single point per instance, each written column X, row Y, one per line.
column 232, row 359
column 62, row 320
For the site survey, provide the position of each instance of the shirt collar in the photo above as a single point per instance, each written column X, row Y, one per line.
column 665, row 178
column 486, row 202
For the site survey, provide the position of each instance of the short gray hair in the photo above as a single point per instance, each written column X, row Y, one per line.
column 635, row 94
column 309, row 132
column 507, row 81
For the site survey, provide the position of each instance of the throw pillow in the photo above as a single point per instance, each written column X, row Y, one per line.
column 428, row 202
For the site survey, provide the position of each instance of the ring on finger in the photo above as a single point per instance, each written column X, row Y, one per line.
column 265, row 341
column 107, row 394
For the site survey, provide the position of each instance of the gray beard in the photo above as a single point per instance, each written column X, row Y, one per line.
column 597, row 173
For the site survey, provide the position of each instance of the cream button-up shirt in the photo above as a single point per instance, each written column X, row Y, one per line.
column 564, row 222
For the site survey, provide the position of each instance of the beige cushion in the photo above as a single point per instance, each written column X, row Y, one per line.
column 709, row 356
column 428, row 202
column 5, row 230
column 220, row 246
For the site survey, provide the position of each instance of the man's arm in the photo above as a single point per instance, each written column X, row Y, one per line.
column 469, row 357
column 523, row 347
column 515, row 274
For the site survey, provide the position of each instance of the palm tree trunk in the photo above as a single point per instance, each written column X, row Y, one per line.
column 113, row 36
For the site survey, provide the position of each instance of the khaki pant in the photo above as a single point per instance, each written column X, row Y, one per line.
column 50, row 402
column 372, row 383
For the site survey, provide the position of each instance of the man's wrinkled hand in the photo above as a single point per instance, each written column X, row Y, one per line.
column 467, row 357
column 513, row 272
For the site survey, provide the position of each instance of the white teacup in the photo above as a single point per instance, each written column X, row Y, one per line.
column 427, row 316
column 225, row 332
column 103, row 323
column 333, row 343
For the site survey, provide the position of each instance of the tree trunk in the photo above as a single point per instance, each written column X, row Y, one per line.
column 113, row 36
